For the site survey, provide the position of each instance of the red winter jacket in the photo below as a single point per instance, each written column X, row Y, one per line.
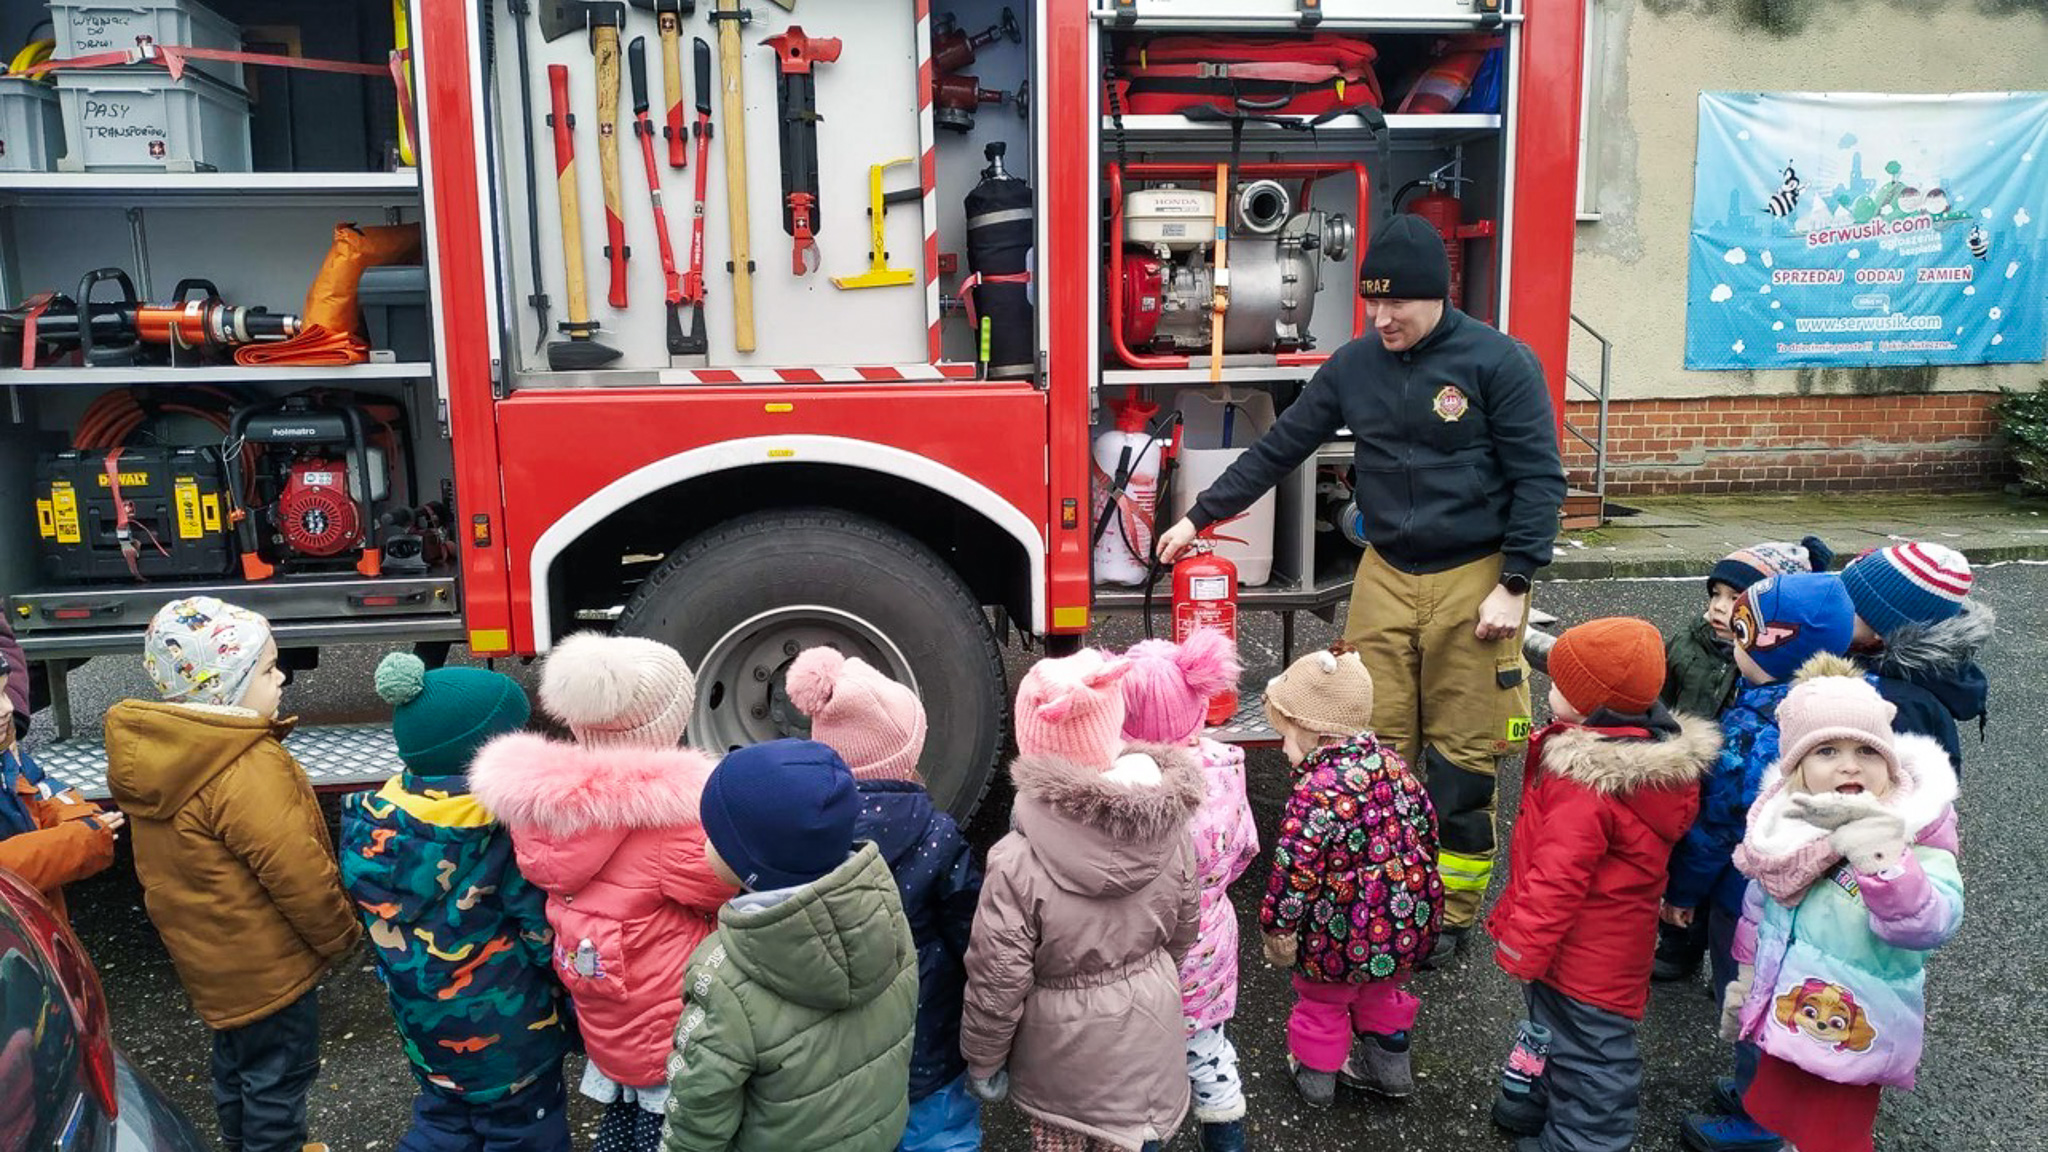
column 1601, row 808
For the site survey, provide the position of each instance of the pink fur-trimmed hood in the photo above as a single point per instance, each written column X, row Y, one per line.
column 562, row 789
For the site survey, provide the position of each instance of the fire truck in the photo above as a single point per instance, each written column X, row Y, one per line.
column 745, row 325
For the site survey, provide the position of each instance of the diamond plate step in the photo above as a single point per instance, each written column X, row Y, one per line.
column 1247, row 726
column 337, row 756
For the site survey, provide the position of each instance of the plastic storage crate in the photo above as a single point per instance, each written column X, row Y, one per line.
column 120, row 121
column 31, row 129
column 85, row 27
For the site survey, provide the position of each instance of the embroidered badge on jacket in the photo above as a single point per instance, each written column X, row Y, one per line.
column 1451, row 404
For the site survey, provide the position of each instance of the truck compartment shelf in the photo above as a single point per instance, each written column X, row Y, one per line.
column 1431, row 128
column 94, row 620
column 221, row 189
column 337, row 758
column 215, row 374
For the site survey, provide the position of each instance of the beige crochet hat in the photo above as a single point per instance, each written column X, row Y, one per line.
column 1328, row 693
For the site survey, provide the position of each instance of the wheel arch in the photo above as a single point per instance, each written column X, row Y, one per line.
column 996, row 548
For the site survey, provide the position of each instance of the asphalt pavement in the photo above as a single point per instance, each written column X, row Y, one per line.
column 1983, row 1084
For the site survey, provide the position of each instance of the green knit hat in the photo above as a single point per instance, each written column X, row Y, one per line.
column 440, row 718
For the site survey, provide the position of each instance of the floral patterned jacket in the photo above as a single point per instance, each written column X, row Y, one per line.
column 1354, row 870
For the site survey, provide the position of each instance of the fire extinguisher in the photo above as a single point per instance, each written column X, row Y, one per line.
column 1445, row 213
column 1205, row 596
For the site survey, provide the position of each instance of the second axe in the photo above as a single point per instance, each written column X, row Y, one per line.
column 797, row 111
column 602, row 19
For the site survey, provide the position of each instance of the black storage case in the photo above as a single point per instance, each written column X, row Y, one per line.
column 178, row 519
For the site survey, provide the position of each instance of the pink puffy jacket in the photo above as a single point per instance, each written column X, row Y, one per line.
column 1226, row 839
column 612, row 835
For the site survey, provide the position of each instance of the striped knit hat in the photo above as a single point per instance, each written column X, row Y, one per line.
column 1745, row 566
column 1913, row 583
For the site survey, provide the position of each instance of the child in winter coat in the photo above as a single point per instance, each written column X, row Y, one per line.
column 1779, row 624
column 1610, row 786
column 1700, row 680
column 877, row 726
column 1166, row 699
column 1073, row 1002
column 462, row 940
column 1355, row 902
column 608, row 826
column 1917, row 629
column 802, row 1007
column 49, row 836
column 1853, row 852
column 237, row 871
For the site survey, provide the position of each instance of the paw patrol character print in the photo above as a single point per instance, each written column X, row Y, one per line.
column 1451, row 404
column 189, row 615
column 1754, row 634
column 1826, row 1014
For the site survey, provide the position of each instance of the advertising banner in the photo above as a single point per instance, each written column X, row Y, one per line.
column 1862, row 230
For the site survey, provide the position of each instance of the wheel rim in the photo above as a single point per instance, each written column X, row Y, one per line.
column 742, row 682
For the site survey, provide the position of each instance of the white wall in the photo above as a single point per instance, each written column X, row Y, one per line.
column 1630, row 278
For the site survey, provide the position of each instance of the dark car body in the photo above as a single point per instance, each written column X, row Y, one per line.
column 62, row 1083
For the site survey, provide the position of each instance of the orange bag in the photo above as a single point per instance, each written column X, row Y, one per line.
column 330, row 332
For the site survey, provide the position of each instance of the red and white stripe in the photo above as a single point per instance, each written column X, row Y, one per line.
column 1935, row 568
column 843, row 374
column 927, row 175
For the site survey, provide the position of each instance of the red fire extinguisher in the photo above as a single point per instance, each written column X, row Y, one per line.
column 1446, row 214
column 1205, row 596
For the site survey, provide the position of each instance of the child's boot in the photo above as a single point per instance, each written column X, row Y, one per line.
column 1318, row 1089
column 1380, row 1064
column 1225, row 1136
column 1679, row 952
column 1727, row 1134
column 1726, row 1100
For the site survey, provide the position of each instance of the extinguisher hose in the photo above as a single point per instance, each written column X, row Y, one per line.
column 1405, row 189
column 1117, row 483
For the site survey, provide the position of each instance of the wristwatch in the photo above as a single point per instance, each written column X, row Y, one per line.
column 1515, row 582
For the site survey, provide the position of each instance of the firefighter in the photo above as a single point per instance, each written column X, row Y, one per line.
column 1459, row 479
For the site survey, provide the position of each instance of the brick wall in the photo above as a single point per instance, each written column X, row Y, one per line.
column 1941, row 442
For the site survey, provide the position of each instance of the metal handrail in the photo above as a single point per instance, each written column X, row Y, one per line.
column 1598, row 441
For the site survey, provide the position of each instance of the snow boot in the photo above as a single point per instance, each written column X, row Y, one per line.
column 1227, row 1136
column 1727, row 1134
column 1448, row 943
column 1379, row 1064
column 1726, row 1100
column 1318, row 1089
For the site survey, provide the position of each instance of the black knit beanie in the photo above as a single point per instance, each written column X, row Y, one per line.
column 1405, row 261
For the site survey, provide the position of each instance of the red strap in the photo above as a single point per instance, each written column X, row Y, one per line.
column 36, row 305
column 175, row 56
column 1289, row 71
column 968, row 286
column 112, row 464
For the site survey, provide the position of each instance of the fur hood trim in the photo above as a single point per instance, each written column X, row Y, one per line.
column 1931, row 790
column 1935, row 651
column 529, row 781
column 1610, row 765
column 1081, row 794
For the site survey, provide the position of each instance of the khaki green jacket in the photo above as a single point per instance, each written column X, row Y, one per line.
column 797, row 1021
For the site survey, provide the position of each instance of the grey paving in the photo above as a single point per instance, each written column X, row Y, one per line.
column 1984, row 1084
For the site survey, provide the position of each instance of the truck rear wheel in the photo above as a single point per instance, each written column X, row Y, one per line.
column 740, row 601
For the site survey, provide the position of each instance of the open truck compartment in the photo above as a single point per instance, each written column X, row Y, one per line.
column 217, row 371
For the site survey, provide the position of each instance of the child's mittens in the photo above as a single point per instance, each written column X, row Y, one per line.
column 1867, row 834
column 1732, row 1001
column 1282, row 950
column 991, row 1090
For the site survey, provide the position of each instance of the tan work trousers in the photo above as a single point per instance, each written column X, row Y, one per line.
column 1453, row 704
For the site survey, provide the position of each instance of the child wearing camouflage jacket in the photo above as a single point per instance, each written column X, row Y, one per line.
column 462, row 940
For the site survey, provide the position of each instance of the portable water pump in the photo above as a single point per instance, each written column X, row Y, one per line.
column 316, row 492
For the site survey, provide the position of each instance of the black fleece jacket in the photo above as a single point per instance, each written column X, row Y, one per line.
column 1456, row 454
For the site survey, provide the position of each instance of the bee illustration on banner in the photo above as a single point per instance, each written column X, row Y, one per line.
column 1786, row 198
column 1979, row 241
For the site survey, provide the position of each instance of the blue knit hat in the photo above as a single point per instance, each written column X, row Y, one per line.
column 440, row 718
column 1785, row 621
column 780, row 814
column 1908, row 584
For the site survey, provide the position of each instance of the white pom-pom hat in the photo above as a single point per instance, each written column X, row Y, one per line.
column 619, row 690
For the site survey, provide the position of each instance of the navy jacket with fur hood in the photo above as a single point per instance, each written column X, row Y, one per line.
column 1929, row 671
column 940, row 885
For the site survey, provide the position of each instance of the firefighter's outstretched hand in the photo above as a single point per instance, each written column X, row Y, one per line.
column 1500, row 615
column 1175, row 540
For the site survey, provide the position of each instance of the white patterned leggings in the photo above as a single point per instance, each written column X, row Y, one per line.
column 1212, row 1072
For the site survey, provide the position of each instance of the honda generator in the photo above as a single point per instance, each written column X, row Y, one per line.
column 316, row 481
column 132, row 514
